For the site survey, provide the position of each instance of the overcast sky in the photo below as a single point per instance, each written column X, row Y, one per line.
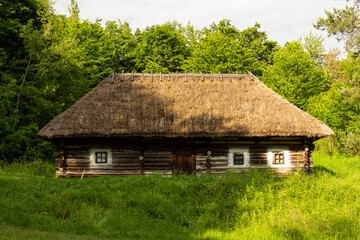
column 282, row 20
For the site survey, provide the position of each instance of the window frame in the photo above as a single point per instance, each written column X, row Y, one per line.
column 280, row 157
column 278, row 149
column 238, row 154
column 93, row 157
column 103, row 157
column 238, row 149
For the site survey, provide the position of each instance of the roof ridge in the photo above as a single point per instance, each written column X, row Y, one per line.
column 167, row 76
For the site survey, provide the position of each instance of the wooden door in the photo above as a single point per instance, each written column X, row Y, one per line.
column 183, row 162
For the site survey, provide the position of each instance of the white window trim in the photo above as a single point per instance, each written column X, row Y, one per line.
column 242, row 150
column 93, row 157
column 270, row 156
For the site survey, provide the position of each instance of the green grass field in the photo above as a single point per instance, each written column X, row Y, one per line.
column 322, row 205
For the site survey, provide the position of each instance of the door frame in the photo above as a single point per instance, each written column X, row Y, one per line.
column 187, row 153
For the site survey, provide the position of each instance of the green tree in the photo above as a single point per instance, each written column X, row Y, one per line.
column 313, row 44
column 123, row 46
column 161, row 48
column 344, row 24
column 61, row 59
column 19, row 88
column 257, row 42
column 222, row 47
column 294, row 75
column 339, row 107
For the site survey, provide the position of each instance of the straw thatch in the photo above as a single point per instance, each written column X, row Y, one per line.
column 179, row 105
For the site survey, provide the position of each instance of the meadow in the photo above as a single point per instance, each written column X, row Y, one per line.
column 321, row 205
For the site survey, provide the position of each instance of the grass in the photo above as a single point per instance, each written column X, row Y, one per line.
column 322, row 205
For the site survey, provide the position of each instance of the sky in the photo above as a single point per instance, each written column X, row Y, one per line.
column 282, row 20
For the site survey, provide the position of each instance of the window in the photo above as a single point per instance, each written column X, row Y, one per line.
column 278, row 158
column 101, row 157
column 238, row 158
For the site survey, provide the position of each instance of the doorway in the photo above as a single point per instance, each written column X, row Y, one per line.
column 183, row 162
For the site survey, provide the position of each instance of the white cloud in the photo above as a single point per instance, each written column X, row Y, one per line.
column 282, row 20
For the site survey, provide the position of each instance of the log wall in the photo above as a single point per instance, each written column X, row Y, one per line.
column 156, row 156
column 158, row 162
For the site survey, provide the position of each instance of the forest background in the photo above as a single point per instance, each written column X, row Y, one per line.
column 49, row 60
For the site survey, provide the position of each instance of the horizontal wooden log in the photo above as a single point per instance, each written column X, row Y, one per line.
column 214, row 168
column 201, row 168
column 164, row 158
column 137, row 164
column 101, row 171
column 77, row 165
column 160, row 172
column 157, row 164
column 258, row 163
column 125, row 156
column 120, row 151
column 76, row 155
column 156, row 153
column 99, row 174
column 219, row 164
column 158, row 168
column 103, row 168
column 77, row 161
column 258, row 153
column 201, row 160
column 258, row 157
column 157, row 161
column 125, row 160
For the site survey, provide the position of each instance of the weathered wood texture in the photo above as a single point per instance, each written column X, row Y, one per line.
column 158, row 162
column 134, row 157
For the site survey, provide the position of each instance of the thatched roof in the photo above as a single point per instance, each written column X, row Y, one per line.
column 192, row 105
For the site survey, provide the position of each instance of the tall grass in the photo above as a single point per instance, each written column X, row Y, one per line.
column 258, row 205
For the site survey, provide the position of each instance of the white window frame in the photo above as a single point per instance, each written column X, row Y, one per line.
column 242, row 150
column 93, row 152
column 270, row 157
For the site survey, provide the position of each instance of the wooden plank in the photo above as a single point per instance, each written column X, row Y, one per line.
column 125, row 155
column 157, row 153
column 126, row 164
column 258, row 154
column 258, row 162
column 160, row 172
column 77, row 161
column 219, row 158
column 156, row 168
column 117, row 160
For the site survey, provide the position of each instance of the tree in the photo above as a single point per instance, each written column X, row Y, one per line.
column 339, row 107
column 222, row 47
column 344, row 24
column 313, row 44
column 257, row 42
column 123, row 45
column 161, row 48
column 294, row 75
column 56, row 60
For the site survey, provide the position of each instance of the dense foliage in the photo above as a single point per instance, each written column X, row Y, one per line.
column 258, row 205
column 48, row 61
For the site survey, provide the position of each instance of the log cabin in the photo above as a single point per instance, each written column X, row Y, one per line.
column 136, row 123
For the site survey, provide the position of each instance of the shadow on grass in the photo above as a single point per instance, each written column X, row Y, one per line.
column 147, row 207
column 321, row 169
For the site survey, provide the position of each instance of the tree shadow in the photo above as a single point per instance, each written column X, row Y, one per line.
column 216, row 126
column 320, row 169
